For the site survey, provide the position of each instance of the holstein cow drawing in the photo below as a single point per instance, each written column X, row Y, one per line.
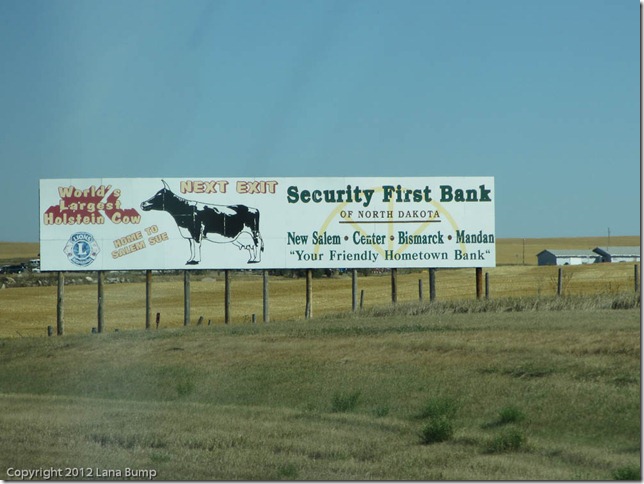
column 236, row 224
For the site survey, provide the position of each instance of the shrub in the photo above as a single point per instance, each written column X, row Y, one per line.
column 287, row 472
column 437, row 430
column 439, row 407
column 509, row 441
column 344, row 402
column 510, row 414
column 630, row 473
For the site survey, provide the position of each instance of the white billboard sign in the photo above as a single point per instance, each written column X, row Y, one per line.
column 268, row 223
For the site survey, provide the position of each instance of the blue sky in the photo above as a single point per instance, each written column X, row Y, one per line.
column 544, row 96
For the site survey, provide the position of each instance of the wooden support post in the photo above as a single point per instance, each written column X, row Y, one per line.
column 148, row 298
column 637, row 278
column 420, row 290
column 432, row 284
column 267, row 317
column 101, row 321
column 354, row 290
column 227, row 296
column 559, row 281
column 60, row 306
column 308, row 310
column 186, row 298
column 487, row 285
column 394, row 285
column 479, row 282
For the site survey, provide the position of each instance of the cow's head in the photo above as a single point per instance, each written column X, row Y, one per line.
column 157, row 201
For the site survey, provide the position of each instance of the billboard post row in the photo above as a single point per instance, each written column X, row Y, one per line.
column 308, row 312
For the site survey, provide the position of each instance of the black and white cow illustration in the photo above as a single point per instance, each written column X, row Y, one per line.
column 236, row 224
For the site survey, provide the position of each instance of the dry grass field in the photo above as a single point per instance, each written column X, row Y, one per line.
column 18, row 251
column 27, row 311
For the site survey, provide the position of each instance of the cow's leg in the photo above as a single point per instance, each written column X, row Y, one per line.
column 252, row 257
column 197, row 256
column 195, row 252
column 192, row 251
column 252, row 253
column 257, row 247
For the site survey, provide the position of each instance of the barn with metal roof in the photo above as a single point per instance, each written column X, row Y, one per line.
column 564, row 257
column 618, row 254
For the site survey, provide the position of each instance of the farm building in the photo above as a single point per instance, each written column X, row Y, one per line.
column 618, row 254
column 561, row 257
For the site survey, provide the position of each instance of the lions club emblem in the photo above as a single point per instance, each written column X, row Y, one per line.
column 81, row 249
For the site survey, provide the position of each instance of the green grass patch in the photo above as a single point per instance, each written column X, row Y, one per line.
column 345, row 402
column 511, row 440
column 510, row 414
column 438, row 407
column 438, row 429
column 507, row 415
column 628, row 473
column 335, row 398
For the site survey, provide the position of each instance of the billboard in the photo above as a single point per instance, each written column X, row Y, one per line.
column 267, row 223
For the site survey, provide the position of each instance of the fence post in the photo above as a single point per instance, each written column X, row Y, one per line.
column 637, row 279
column 60, row 306
column 420, row 290
column 487, row 285
column 100, row 302
column 308, row 311
column 559, row 281
column 227, row 296
column 148, row 298
column 266, row 316
column 186, row 298
column 479, row 282
column 432, row 284
column 394, row 285
column 354, row 290
column 361, row 299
